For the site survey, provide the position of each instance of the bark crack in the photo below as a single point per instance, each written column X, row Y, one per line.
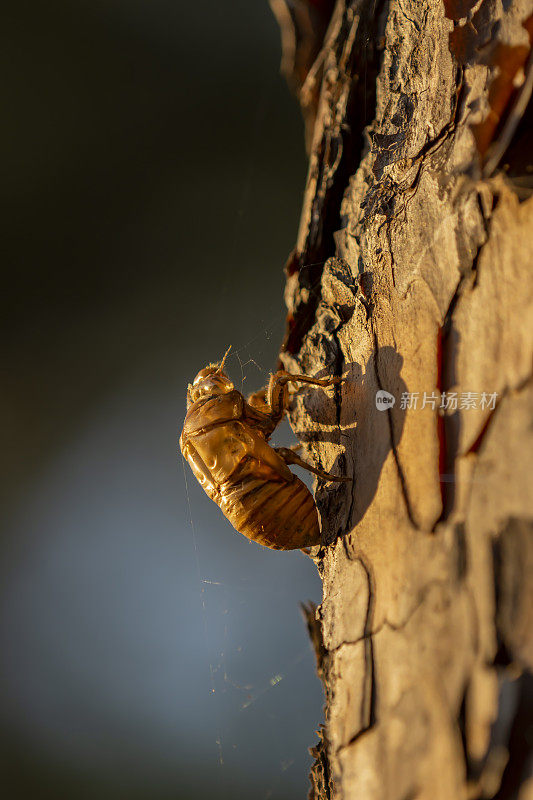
column 368, row 701
column 386, row 623
column 347, row 106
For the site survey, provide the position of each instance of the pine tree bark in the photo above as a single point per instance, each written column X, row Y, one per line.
column 412, row 275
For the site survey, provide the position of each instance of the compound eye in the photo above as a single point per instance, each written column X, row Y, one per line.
column 200, row 377
column 206, row 386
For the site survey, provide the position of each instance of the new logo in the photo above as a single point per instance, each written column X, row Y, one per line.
column 384, row 400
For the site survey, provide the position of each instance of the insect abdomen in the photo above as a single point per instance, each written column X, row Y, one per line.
column 268, row 509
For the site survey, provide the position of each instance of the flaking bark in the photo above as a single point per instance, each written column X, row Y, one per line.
column 412, row 273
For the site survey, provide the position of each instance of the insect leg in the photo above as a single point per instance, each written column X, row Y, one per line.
column 290, row 457
column 277, row 392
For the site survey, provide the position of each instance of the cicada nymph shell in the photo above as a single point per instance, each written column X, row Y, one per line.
column 225, row 440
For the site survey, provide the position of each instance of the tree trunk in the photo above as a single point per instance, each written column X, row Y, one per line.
column 412, row 276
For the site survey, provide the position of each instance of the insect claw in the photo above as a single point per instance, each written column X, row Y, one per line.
column 339, row 379
column 336, row 478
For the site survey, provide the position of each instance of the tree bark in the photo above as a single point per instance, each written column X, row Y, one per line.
column 412, row 274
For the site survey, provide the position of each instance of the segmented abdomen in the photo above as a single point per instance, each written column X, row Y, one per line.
column 265, row 507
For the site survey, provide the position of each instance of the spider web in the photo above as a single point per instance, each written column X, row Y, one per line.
column 253, row 358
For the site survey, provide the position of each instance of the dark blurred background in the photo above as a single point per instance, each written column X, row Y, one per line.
column 153, row 165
